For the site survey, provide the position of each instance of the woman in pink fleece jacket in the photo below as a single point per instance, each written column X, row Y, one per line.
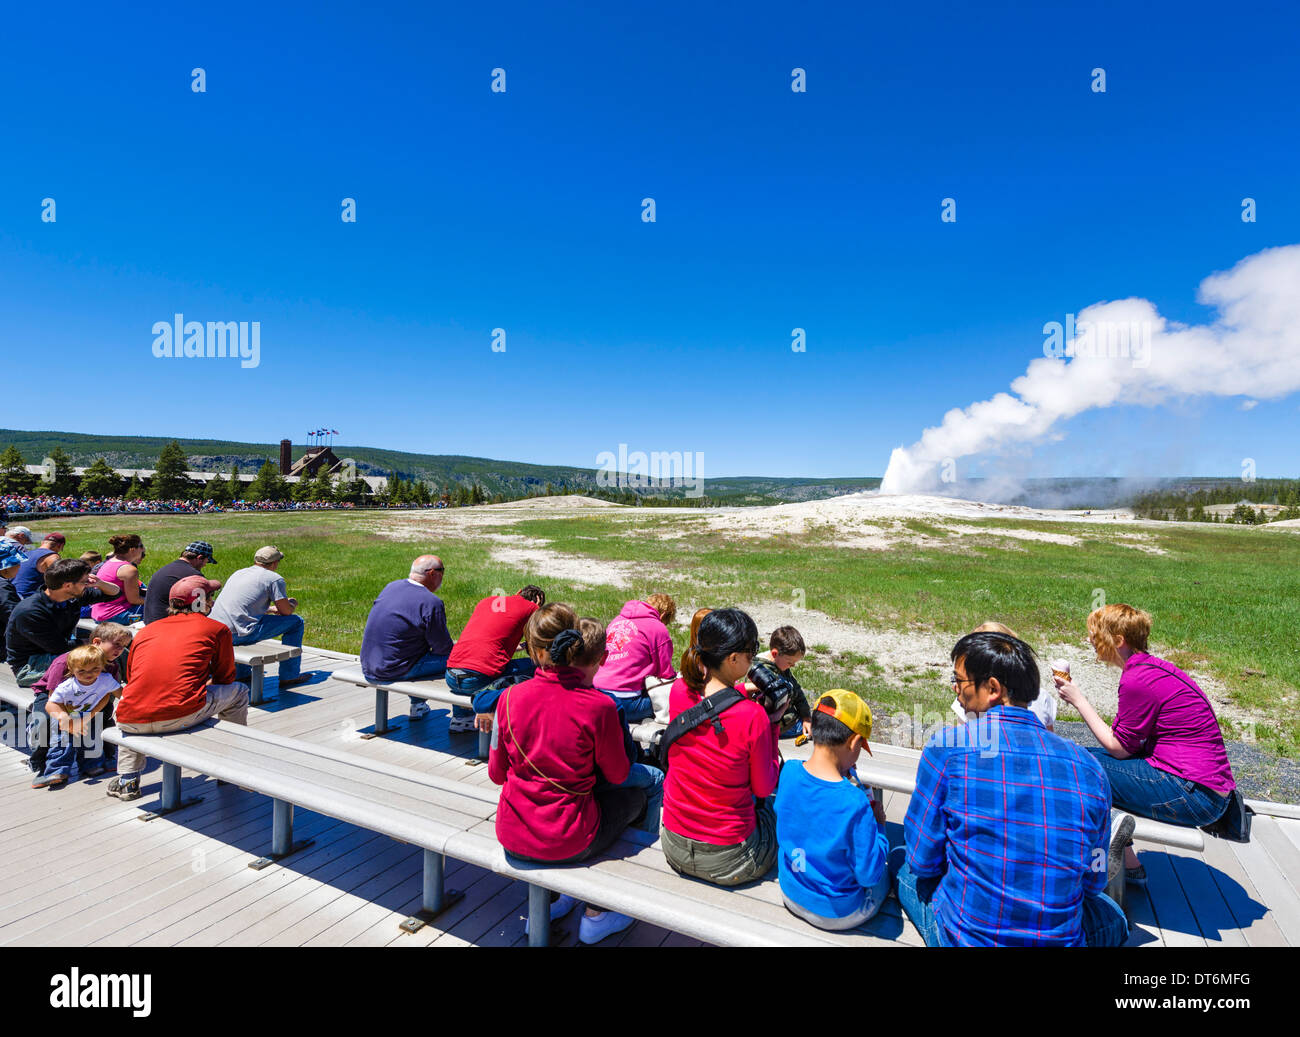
column 639, row 647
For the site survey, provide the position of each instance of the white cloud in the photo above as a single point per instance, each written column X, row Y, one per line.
column 1251, row 349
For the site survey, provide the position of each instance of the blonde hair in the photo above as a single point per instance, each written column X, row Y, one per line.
column 1112, row 621
column 114, row 632
column 995, row 628
column 664, row 605
column 593, row 642
column 543, row 626
column 86, row 657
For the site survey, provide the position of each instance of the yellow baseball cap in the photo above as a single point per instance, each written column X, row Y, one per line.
column 850, row 710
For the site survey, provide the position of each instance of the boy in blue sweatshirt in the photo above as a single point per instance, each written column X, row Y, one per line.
column 831, row 832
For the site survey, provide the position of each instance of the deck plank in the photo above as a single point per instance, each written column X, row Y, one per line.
column 1169, row 903
column 353, row 886
column 1253, row 919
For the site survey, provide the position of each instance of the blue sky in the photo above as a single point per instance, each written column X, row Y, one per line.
column 521, row 210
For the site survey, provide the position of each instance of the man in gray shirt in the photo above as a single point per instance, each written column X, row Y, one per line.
column 256, row 606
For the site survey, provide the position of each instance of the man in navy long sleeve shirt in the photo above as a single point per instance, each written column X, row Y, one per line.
column 406, row 636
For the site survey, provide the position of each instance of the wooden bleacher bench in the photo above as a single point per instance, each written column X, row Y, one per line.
column 428, row 690
column 255, row 656
column 453, row 819
column 894, row 768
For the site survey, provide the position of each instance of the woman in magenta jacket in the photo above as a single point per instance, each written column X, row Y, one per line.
column 555, row 739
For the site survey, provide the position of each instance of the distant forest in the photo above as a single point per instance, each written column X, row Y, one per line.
column 1188, row 503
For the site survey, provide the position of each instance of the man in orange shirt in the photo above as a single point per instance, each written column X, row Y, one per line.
column 180, row 672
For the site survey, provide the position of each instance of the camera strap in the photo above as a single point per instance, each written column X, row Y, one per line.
column 708, row 710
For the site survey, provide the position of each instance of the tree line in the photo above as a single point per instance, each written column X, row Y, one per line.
column 169, row 482
column 1190, row 505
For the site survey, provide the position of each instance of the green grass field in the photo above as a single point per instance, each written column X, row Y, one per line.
column 1225, row 600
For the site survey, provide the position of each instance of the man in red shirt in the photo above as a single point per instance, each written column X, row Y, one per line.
column 180, row 672
column 480, row 664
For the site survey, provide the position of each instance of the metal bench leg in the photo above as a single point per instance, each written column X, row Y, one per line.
column 171, row 794
column 539, row 916
column 382, row 727
column 434, row 899
column 256, row 697
column 282, row 844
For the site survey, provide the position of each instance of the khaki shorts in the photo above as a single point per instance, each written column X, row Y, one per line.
column 725, row 865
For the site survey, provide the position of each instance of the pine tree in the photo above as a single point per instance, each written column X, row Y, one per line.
column 268, row 485
column 99, row 480
column 169, row 481
column 217, row 490
column 476, row 495
column 135, row 491
column 234, row 487
column 61, row 480
column 14, row 477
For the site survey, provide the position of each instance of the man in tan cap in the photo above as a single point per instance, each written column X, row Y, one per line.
column 256, row 606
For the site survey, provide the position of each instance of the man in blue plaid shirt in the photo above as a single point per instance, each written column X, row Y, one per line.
column 1007, row 831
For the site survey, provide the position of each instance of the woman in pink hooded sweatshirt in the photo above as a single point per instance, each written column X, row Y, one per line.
column 639, row 647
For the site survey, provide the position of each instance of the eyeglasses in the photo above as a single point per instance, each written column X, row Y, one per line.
column 958, row 682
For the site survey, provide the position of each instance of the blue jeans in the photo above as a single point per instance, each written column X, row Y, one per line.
column 1139, row 788
column 651, row 781
column 635, row 709
column 289, row 629
column 38, row 732
column 471, row 682
column 430, row 666
column 84, row 750
column 133, row 614
column 1104, row 924
column 915, row 894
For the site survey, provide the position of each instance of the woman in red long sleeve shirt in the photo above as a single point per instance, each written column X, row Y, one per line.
column 712, row 828
column 554, row 739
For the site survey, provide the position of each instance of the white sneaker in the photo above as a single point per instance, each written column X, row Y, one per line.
column 461, row 724
column 559, row 908
column 418, row 711
column 593, row 929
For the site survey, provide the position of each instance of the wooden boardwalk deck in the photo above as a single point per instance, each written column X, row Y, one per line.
column 77, row 868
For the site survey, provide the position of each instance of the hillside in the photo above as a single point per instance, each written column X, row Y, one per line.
column 511, row 478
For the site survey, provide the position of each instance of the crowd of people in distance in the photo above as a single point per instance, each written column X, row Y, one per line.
column 26, row 504
column 1014, row 836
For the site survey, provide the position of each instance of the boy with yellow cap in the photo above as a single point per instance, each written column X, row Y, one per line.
column 832, row 864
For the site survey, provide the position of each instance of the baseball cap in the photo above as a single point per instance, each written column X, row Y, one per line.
column 849, row 710
column 11, row 553
column 268, row 555
column 200, row 547
column 54, row 538
column 191, row 587
column 22, row 531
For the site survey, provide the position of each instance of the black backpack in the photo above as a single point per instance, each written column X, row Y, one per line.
column 708, row 710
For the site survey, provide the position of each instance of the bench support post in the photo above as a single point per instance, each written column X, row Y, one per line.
column 255, row 685
column 381, row 715
column 282, row 844
column 435, row 898
column 171, row 794
column 539, row 916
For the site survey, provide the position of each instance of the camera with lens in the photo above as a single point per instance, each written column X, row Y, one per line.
column 774, row 690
